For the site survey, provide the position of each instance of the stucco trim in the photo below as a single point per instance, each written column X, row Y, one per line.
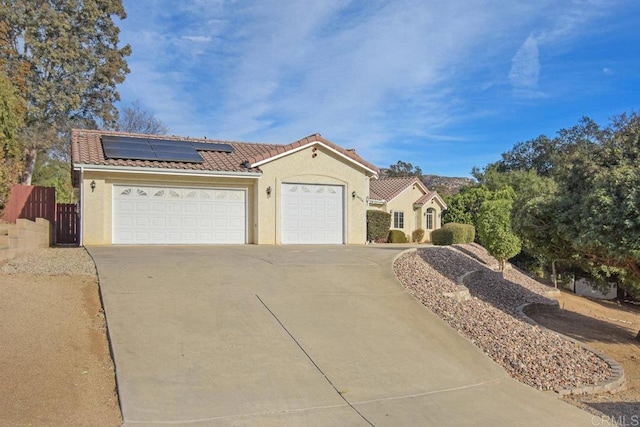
column 302, row 147
column 162, row 171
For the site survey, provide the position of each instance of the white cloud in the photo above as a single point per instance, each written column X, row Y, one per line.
column 373, row 75
column 525, row 66
column 198, row 39
column 566, row 21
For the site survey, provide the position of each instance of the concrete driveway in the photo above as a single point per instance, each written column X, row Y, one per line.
column 295, row 335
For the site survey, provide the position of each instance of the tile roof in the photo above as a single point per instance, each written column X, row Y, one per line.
column 311, row 139
column 426, row 197
column 388, row 188
column 86, row 148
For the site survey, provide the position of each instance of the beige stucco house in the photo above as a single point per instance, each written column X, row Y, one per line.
column 411, row 205
column 142, row 189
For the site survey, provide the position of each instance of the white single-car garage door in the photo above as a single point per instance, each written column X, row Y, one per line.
column 312, row 214
column 168, row 215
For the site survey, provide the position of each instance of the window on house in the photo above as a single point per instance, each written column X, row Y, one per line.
column 429, row 218
column 398, row 220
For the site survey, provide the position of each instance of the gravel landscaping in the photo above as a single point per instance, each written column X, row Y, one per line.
column 530, row 354
column 53, row 262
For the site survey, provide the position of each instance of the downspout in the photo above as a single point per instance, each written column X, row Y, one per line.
column 81, row 219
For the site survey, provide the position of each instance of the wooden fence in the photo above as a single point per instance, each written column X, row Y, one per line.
column 29, row 202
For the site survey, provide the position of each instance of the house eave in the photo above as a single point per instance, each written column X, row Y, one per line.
column 164, row 171
column 377, row 202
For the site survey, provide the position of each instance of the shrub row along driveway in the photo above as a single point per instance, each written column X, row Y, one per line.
column 295, row 336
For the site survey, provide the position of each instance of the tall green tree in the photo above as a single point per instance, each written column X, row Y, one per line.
column 599, row 200
column 535, row 222
column 543, row 155
column 464, row 206
column 494, row 230
column 66, row 55
column 12, row 109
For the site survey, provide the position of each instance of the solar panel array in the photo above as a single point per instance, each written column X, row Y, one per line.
column 136, row 148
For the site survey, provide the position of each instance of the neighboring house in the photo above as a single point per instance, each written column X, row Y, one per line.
column 142, row 189
column 411, row 205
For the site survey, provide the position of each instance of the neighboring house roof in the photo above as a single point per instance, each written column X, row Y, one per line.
column 430, row 196
column 86, row 149
column 375, row 197
column 386, row 189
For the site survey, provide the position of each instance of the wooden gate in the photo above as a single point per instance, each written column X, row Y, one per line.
column 66, row 224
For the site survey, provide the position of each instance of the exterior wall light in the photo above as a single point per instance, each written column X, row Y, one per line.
column 269, row 191
column 353, row 194
column 93, row 186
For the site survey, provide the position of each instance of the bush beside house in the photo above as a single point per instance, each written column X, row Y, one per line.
column 378, row 225
column 453, row 234
column 418, row 235
column 397, row 236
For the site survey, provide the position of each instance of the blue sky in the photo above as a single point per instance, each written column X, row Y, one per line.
column 445, row 85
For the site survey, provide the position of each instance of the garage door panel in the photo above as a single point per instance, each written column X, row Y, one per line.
column 158, row 207
column 312, row 213
column 190, row 207
column 125, row 220
column 156, row 215
column 174, row 207
column 206, row 208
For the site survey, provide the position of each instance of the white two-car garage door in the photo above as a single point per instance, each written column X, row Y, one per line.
column 312, row 213
column 168, row 215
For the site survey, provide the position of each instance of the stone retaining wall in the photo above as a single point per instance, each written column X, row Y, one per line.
column 616, row 383
column 23, row 236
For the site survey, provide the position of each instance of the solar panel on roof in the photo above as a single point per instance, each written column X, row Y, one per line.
column 124, row 153
column 205, row 146
column 173, row 148
column 135, row 148
column 169, row 156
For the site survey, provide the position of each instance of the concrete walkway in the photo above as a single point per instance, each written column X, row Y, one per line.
column 295, row 335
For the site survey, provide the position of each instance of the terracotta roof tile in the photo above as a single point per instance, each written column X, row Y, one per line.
column 388, row 188
column 425, row 198
column 86, row 148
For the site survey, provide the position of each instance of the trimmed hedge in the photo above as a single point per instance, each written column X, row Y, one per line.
column 453, row 233
column 418, row 235
column 398, row 236
column 378, row 225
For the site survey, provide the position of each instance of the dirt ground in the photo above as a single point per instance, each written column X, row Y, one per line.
column 55, row 366
column 610, row 327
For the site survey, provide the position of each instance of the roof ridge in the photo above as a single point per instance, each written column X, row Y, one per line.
column 176, row 137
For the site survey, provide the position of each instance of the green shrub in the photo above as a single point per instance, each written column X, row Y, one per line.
column 418, row 235
column 397, row 236
column 378, row 224
column 453, row 234
column 442, row 237
column 462, row 233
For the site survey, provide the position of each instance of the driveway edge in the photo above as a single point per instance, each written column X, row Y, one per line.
column 108, row 334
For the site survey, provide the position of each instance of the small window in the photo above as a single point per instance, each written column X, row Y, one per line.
column 429, row 217
column 398, row 220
